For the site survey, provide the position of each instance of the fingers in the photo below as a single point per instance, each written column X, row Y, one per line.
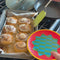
column 56, row 55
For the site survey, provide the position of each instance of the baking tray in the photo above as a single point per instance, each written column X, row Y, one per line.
column 2, row 23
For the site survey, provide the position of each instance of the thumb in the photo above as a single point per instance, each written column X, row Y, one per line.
column 56, row 55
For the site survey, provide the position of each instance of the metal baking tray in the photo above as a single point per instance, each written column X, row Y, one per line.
column 2, row 23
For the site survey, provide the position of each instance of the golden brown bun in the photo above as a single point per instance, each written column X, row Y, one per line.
column 11, row 20
column 20, row 47
column 25, row 20
column 21, row 36
column 9, row 29
column 6, row 39
column 25, row 28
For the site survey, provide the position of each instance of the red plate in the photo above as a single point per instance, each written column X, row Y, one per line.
column 39, row 33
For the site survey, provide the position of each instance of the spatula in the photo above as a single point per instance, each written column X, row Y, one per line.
column 42, row 14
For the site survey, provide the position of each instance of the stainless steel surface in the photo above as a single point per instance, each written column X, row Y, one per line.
column 58, row 30
column 38, row 3
column 2, row 20
column 56, row 25
column 20, row 4
column 53, row 10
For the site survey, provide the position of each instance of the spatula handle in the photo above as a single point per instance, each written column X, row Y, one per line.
column 39, row 18
column 48, row 3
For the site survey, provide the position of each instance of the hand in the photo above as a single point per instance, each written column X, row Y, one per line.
column 57, row 0
column 56, row 55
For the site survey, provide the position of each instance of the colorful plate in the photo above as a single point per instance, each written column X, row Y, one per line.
column 42, row 42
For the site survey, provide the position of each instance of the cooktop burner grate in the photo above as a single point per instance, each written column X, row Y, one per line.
column 46, row 23
column 2, row 5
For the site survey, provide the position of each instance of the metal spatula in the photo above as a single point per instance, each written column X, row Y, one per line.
column 42, row 14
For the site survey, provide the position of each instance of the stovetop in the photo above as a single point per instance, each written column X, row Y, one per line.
column 46, row 23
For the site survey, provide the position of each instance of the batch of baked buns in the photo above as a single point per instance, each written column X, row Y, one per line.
column 15, row 34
